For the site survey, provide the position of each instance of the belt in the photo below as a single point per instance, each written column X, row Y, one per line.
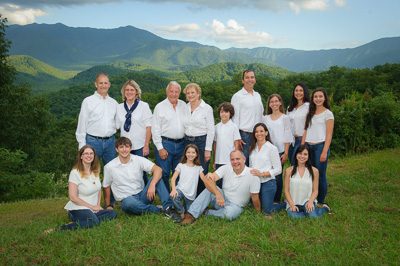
column 195, row 138
column 245, row 132
column 298, row 137
column 173, row 140
column 103, row 138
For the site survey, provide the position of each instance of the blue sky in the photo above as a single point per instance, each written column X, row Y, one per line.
column 297, row 24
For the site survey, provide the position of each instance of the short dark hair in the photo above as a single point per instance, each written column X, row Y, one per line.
column 123, row 141
column 227, row 107
column 247, row 71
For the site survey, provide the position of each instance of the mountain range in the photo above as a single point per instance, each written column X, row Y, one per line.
column 77, row 49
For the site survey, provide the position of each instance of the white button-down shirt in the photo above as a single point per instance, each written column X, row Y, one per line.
column 266, row 160
column 200, row 122
column 167, row 122
column 248, row 109
column 97, row 118
column 298, row 119
column 140, row 119
column 126, row 179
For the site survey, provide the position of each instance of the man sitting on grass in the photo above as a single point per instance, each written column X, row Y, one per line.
column 238, row 186
column 124, row 175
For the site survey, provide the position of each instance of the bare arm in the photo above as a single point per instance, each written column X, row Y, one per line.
column 215, row 152
column 146, row 149
column 314, row 194
column 256, row 201
column 157, row 174
column 174, row 193
column 107, row 196
column 209, row 182
column 328, row 140
column 288, row 197
column 73, row 196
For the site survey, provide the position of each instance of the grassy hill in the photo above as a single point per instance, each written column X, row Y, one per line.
column 363, row 230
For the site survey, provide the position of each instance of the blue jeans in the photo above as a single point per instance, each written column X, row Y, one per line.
column 267, row 193
column 175, row 151
column 139, row 203
column 139, row 152
column 200, row 142
column 279, row 184
column 221, row 180
column 87, row 219
column 292, row 150
column 230, row 211
column 247, row 139
column 178, row 202
column 302, row 213
column 315, row 153
column 105, row 149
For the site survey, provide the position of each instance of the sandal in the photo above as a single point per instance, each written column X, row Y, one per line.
column 330, row 211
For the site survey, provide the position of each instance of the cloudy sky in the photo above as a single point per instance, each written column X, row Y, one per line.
column 297, row 24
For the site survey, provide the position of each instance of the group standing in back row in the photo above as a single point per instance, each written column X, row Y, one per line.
column 185, row 135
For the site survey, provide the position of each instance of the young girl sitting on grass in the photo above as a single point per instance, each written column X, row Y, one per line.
column 189, row 169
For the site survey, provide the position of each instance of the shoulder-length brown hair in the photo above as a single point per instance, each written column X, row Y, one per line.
column 281, row 108
column 196, row 160
column 94, row 167
column 253, row 142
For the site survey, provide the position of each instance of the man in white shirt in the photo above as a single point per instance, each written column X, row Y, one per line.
column 248, row 110
column 167, row 131
column 238, row 187
column 124, row 176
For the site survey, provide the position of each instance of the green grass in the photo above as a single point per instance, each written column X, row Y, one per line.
column 364, row 191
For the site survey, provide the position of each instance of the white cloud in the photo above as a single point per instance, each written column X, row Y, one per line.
column 340, row 2
column 232, row 33
column 18, row 15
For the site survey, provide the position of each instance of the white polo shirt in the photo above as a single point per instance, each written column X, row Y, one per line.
column 237, row 188
column 126, row 179
column 225, row 136
column 141, row 118
column 96, row 118
column 248, row 109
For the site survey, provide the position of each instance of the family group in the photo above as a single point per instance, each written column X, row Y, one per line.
column 250, row 150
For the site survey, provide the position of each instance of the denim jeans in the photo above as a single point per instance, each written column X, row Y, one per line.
column 247, row 139
column 175, row 151
column 267, row 193
column 139, row 203
column 315, row 153
column 230, row 211
column 221, row 180
column 87, row 219
column 200, row 142
column 105, row 149
column 139, row 152
column 292, row 150
column 302, row 213
column 279, row 184
column 178, row 202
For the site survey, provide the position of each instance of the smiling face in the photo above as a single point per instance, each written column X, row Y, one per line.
column 173, row 92
column 124, row 151
column 302, row 156
column 260, row 134
column 319, row 98
column 191, row 154
column 130, row 93
column 274, row 103
column 237, row 161
column 225, row 116
column 299, row 93
column 249, row 79
column 102, row 84
column 87, row 156
column 192, row 95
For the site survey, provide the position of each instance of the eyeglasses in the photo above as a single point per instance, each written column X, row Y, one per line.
column 88, row 154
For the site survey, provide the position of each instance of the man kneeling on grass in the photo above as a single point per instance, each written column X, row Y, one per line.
column 124, row 175
column 238, row 186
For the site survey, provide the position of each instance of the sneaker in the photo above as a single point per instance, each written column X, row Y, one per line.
column 160, row 208
column 170, row 213
column 188, row 219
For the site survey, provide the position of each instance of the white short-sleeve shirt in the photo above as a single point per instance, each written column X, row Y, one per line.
column 237, row 188
column 88, row 190
column 188, row 179
column 225, row 136
column 279, row 130
column 298, row 119
column 316, row 132
column 141, row 118
column 126, row 179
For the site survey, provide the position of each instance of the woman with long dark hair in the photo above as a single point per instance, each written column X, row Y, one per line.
column 318, row 136
column 297, row 112
column 301, row 187
column 266, row 164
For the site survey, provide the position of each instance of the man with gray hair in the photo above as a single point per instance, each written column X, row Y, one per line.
column 238, row 187
column 168, row 131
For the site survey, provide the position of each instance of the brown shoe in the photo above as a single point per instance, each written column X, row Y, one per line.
column 206, row 210
column 188, row 219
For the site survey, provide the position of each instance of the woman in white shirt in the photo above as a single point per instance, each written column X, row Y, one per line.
column 266, row 164
column 301, row 187
column 318, row 136
column 199, row 127
column 84, row 190
column 297, row 112
column 134, row 118
column 278, row 125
